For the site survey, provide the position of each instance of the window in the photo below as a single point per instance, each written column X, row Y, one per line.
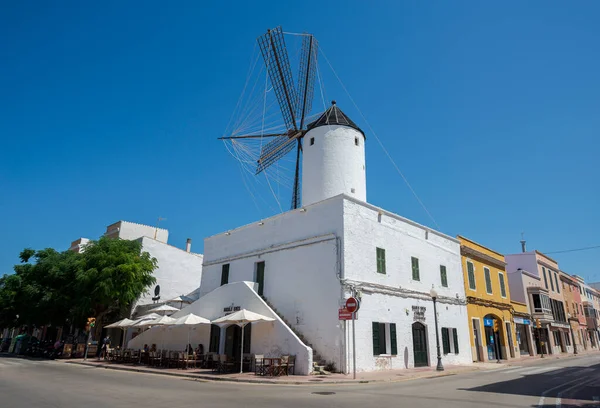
column 443, row 276
column 556, row 335
column 449, row 340
column 356, row 141
column 260, row 276
column 502, row 284
column 215, row 337
column 545, row 280
column 541, row 303
column 381, row 260
column 384, row 339
column 556, row 280
column 551, row 281
column 415, row 268
column 471, row 274
column 488, row 280
column 225, row 274
column 312, row 141
column 567, row 339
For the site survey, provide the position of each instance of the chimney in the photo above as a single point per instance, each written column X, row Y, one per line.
column 523, row 246
column 188, row 245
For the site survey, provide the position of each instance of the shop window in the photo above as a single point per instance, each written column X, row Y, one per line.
column 556, row 335
column 449, row 340
column 567, row 339
column 443, row 276
column 384, row 339
column 380, row 260
column 471, row 275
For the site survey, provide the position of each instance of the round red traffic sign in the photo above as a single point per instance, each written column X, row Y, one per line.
column 352, row 304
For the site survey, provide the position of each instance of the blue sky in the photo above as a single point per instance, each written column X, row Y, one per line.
column 111, row 111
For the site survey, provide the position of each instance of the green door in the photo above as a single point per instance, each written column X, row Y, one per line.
column 260, row 276
column 419, row 345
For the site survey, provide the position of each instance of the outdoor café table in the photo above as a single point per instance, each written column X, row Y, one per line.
column 272, row 366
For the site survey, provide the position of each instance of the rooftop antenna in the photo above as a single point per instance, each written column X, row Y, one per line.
column 523, row 242
column 158, row 222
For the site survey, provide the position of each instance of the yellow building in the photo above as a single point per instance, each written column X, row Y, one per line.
column 488, row 302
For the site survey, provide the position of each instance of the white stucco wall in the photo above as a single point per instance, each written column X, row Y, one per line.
column 333, row 165
column 132, row 230
column 387, row 297
column 178, row 273
column 273, row 339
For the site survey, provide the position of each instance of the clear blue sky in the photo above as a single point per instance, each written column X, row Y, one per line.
column 111, row 111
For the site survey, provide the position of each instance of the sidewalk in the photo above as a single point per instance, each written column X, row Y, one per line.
column 361, row 377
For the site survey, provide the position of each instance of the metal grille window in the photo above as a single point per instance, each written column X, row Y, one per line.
column 488, row 280
column 471, row 273
column 415, row 268
column 381, row 260
column 443, row 276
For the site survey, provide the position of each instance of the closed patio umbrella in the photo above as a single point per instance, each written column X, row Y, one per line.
column 242, row 318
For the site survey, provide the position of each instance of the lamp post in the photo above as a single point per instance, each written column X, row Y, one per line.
column 572, row 335
column 434, row 296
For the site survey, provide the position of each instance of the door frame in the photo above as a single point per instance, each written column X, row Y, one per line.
column 476, row 327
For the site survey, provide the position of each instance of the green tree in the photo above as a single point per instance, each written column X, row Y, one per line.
column 112, row 275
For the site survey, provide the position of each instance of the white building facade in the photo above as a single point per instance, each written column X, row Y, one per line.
column 307, row 261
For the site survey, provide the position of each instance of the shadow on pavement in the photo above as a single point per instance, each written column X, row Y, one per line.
column 577, row 386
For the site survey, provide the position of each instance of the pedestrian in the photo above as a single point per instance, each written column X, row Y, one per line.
column 105, row 347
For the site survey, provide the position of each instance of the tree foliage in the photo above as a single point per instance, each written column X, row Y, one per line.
column 51, row 287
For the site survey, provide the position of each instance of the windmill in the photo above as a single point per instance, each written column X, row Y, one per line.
column 295, row 102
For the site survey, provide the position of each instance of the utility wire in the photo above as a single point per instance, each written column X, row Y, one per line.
column 573, row 250
column 379, row 141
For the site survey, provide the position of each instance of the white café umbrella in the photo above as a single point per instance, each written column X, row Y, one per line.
column 162, row 321
column 242, row 318
column 181, row 299
column 164, row 309
column 190, row 320
column 121, row 324
column 150, row 316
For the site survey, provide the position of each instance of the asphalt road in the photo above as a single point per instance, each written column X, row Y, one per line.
column 573, row 382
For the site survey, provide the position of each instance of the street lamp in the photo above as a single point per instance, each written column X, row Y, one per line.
column 433, row 293
column 572, row 335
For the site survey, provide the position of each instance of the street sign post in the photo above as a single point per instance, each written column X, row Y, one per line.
column 352, row 306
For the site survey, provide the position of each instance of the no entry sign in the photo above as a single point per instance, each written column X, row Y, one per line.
column 352, row 304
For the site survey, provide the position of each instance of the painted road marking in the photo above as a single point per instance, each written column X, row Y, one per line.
column 543, row 396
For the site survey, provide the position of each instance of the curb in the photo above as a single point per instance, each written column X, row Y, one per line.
column 205, row 378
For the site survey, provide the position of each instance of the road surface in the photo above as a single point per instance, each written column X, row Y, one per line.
column 572, row 382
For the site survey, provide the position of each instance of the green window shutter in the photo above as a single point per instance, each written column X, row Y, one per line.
column 225, row 274
column 488, row 280
column 376, row 339
column 415, row 268
column 260, row 277
column 455, row 336
column 445, row 340
column 381, row 260
column 502, row 285
column 393, row 339
column 471, row 273
column 443, row 276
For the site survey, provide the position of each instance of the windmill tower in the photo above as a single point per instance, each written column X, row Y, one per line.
column 334, row 161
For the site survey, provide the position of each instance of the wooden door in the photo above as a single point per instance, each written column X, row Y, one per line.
column 419, row 345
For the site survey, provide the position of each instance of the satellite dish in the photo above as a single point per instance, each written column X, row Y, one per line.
column 157, row 290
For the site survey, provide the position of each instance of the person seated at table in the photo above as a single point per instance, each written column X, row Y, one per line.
column 153, row 348
column 200, row 349
column 189, row 349
column 146, row 348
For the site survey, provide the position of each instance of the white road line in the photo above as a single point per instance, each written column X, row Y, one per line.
column 9, row 362
column 543, row 396
column 596, row 399
column 559, row 399
column 542, row 370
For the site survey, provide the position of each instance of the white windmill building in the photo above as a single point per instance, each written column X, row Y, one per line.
column 299, row 266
